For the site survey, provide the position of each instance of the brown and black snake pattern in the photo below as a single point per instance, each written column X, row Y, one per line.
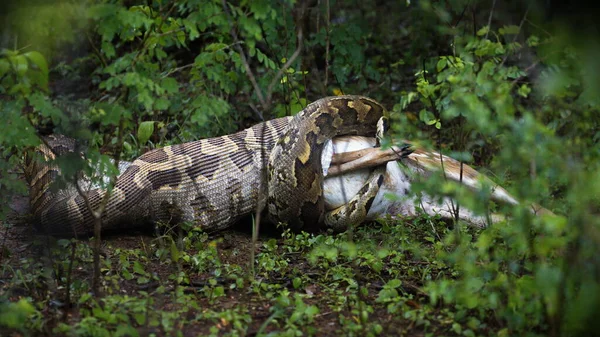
column 295, row 169
column 212, row 182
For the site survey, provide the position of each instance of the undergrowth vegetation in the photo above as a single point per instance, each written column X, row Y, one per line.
column 493, row 85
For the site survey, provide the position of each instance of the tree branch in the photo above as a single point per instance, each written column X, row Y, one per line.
column 516, row 35
column 237, row 43
column 289, row 62
column 489, row 23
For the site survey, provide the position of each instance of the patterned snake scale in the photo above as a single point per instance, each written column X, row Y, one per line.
column 211, row 182
column 295, row 168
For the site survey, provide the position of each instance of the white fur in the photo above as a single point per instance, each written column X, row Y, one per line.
column 393, row 198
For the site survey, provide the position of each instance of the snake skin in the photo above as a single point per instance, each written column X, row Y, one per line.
column 213, row 182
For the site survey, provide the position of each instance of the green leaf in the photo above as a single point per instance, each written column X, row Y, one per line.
column 84, row 298
column 483, row 31
column 190, row 26
column 45, row 107
column 170, row 85
column 138, row 268
column 218, row 291
column 311, row 310
column 426, row 116
column 524, row 90
column 441, row 64
column 162, row 104
column 108, row 49
column 145, row 130
column 175, row 254
column 484, row 241
column 533, row 41
column 19, row 64
column 39, row 60
column 511, row 29
column 260, row 8
column 126, row 274
column 125, row 330
column 14, row 315
column 394, row 283
column 4, row 67
column 140, row 318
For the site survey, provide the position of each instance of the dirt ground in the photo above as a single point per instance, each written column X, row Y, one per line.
column 346, row 303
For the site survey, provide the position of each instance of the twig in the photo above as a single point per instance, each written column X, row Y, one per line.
column 96, row 51
column 285, row 67
column 533, row 65
column 516, row 35
column 145, row 44
column 69, row 275
column 489, row 24
column 263, row 188
column 538, row 27
column 457, row 213
column 256, row 111
column 174, row 70
column 249, row 72
column 526, row 70
column 265, row 100
column 97, row 214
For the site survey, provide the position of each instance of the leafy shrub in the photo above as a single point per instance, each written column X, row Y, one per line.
column 487, row 86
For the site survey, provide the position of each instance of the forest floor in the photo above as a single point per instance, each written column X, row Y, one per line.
column 367, row 282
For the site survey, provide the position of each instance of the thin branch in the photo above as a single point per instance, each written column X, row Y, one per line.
column 249, row 72
column 174, row 70
column 258, row 113
column 281, row 71
column 531, row 66
column 516, row 35
column 460, row 181
column 489, row 23
column 97, row 214
column 265, row 101
column 526, row 71
column 69, row 275
column 96, row 51
column 538, row 27
column 147, row 35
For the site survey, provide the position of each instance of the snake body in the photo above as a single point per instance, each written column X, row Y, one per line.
column 295, row 169
column 210, row 182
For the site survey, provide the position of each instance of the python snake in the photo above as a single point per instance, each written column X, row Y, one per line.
column 295, row 166
column 213, row 182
